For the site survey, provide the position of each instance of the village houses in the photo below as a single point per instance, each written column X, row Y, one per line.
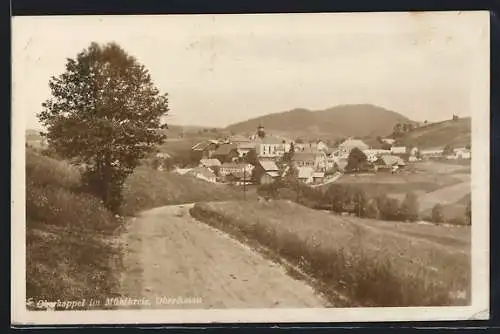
column 203, row 173
column 345, row 148
column 210, row 163
column 232, row 168
column 315, row 159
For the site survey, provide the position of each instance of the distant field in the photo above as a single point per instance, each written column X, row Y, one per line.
column 456, row 133
column 434, row 182
column 387, row 183
column 148, row 188
column 355, row 262
column 177, row 146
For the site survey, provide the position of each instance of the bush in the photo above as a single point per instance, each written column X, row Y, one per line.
column 468, row 213
column 437, row 215
column 372, row 210
column 338, row 197
column 409, row 208
column 360, row 203
column 388, row 207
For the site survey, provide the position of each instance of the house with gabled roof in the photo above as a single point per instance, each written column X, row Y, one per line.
column 305, row 174
column 203, row 173
column 345, row 148
column 226, row 152
column 315, row 159
column 210, row 163
column 389, row 163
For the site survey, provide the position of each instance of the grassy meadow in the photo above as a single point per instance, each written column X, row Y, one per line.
column 70, row 254
column 353, row 261
column 434, row 182
column 147, row 188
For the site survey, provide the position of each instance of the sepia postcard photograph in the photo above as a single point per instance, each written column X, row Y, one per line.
column 328, row 167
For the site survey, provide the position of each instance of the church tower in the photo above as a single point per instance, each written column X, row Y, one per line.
column 260, row 131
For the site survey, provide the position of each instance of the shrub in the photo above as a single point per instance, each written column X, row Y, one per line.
column 336, row 196
column 372, row 210
column 468, row 213
column 409, row 208
column 389, row 207
column 437, row 215
column 360, row 202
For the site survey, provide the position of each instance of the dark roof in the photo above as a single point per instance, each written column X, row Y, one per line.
column 304, row 156
column 234, row 165
column 224, row 149
column 200, row 146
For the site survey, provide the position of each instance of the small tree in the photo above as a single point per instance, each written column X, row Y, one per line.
column 437, row 214
column 372, row 210
column 335, row 197
column 397, row 129
column 360, row 202
column 448, row 149
column 386, row 146
column 104, row 113
column 388, row 207
column 409, row 208
column 356, row 161
column 287, row 157
column 251, row 157
column 216, row 170
column 468, row 213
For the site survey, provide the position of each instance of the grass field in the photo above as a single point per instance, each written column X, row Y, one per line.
column 354, row 262
column 434, row 182
column 451, row 132
column 148, row 188
column 69, row 249
column 387, row 183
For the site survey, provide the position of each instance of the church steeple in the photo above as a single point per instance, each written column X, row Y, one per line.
column 260, row 131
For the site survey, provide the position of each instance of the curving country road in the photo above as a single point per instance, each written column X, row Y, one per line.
column 169, row 254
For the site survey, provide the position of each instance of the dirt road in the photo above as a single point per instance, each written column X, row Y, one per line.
column 171, row 255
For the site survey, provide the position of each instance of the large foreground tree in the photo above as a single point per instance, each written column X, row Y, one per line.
column 105, row 114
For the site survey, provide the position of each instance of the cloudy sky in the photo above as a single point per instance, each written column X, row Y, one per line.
column 220, row 69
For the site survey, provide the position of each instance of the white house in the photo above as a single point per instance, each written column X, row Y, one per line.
column 389, row 141
column 345, row 148
column 398, row 150
column 270, row 147
column 232, row 168
column 305, row 174
column 209, row 163
column 462, row 153
column 316, row 159
column 431, row 153
column 373, row 154
column 203, row 173
column 269, row 167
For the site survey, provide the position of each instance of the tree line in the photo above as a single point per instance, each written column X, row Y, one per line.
column 354, row 200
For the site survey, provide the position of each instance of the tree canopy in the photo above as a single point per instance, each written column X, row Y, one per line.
column 356, row 161
column 106, row 114
column 409, row 208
